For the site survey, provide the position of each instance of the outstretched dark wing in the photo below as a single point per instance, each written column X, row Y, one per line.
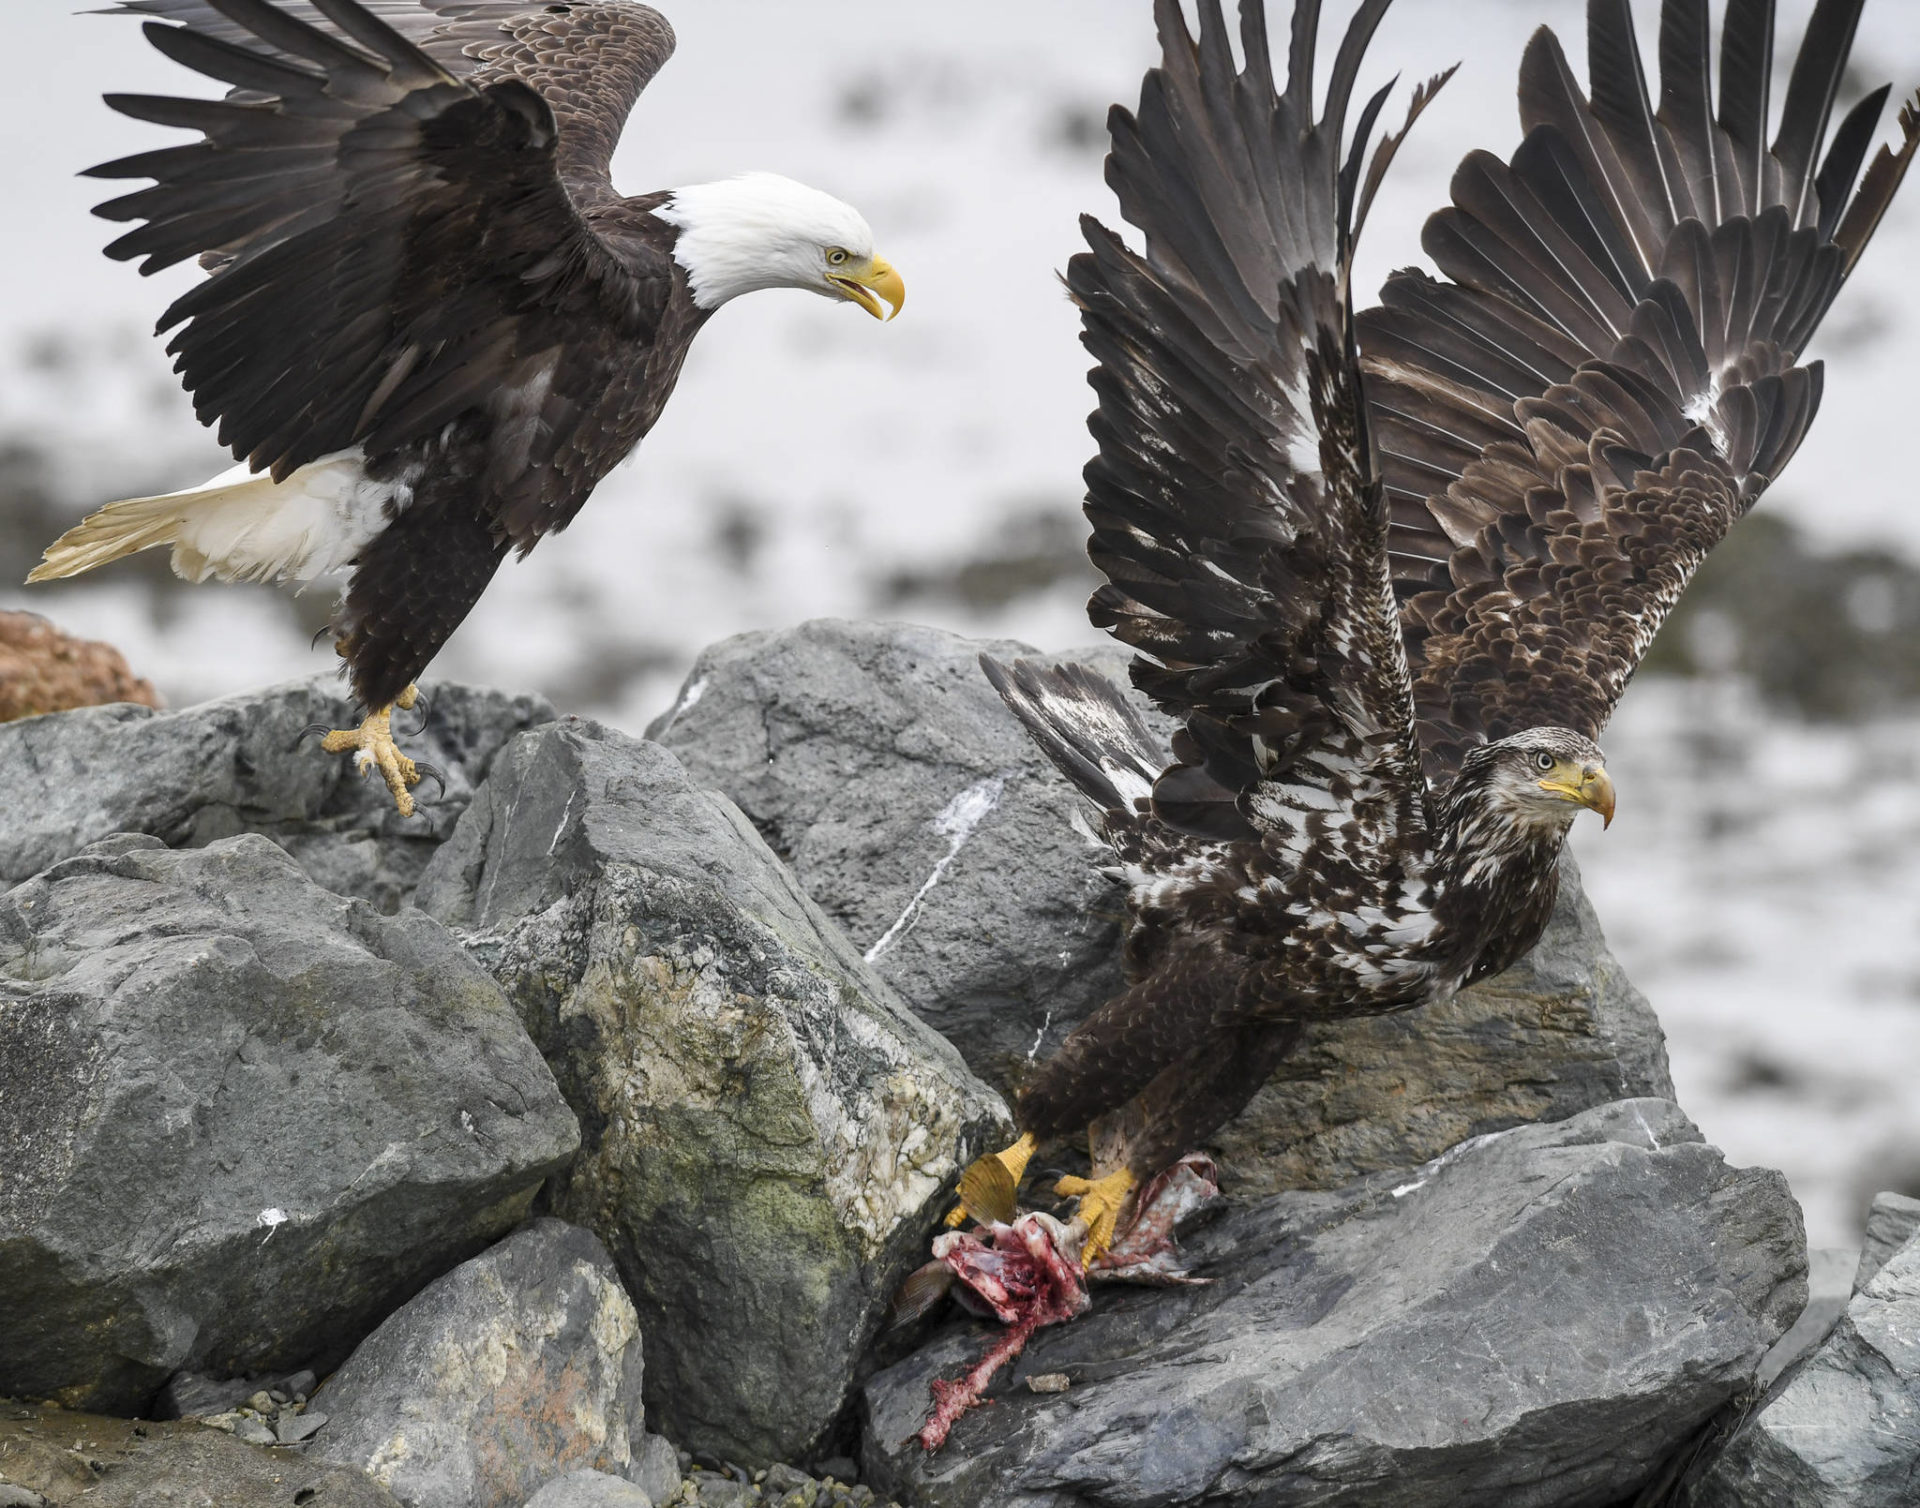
column 1234, row 504
column 411, row 220
column 1610, row 378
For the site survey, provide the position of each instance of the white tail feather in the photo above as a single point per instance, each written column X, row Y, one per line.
column 240, row 526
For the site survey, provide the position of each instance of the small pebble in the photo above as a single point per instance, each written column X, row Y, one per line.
column 254, row 1432
column 293, row 1428
column 261, row 1403
column 1049, row 1382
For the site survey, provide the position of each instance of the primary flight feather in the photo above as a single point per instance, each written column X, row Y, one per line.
column 431, row 324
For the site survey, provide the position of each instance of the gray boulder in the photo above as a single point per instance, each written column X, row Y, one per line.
column 1844, row 1431
column 516, row 1367
column 227, row 767
column 1536, row 1318
column 1891, row 1221
column 767, row 1131
column 876, row 759
column 589, row 1489
column 241, row 1118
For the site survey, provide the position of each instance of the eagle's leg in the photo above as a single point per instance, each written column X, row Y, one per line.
column 373, row 748
column 988, row 1187
column 1101, row 1202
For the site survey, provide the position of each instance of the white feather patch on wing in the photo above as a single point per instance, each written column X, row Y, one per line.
column 242, row 525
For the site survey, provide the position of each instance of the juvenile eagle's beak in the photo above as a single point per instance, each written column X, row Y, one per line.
column 862, row 283
column 1592, row 788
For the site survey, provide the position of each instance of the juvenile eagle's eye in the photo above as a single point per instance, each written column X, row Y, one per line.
column 1543, row 761
column 836, row 256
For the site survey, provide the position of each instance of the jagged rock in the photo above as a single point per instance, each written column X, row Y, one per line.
column 241, row 1118
column 45, row 670
column 590, row 1489
column 767, row 1130
column 1537, row 1317
column 913, row 807
column 54, row 1456
column 877, row 761
column 1844, row 1432
column 656, row 1467
column 231, row 766
column 515, row 1368
column 1891, row 1221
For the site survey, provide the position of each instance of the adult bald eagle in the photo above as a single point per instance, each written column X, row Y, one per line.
column 432, row 324
column 1392, row 571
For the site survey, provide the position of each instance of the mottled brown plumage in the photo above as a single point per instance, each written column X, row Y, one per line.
column 1391, row 573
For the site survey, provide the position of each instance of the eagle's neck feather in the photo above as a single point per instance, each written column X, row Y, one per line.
column 1495, row 875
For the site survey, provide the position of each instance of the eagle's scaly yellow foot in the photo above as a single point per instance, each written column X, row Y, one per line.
column 373, row 748
column 1101, row 1201
column 988, row 1187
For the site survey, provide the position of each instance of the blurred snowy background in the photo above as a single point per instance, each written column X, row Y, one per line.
column 1763, row 886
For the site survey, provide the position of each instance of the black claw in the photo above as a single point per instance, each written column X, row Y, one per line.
column 307, row 732
column 429, row 772
column 423, row 707
column 319, row 634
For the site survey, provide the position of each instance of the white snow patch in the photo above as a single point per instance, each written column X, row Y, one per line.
column 956, row 823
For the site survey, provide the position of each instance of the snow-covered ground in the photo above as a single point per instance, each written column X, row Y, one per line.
column 814, row 462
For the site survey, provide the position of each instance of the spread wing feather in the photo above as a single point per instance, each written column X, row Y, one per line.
column 403, row 202
column 1610, row 376
column 1234, row 503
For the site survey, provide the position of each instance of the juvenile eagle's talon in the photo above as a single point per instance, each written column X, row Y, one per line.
column 306, row 733
column 421, row 705
column 425, row 771
column 989, row 1187
column 1101, row 1203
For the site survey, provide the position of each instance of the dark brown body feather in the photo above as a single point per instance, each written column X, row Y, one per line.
column 417, row 250
column 1376, row 565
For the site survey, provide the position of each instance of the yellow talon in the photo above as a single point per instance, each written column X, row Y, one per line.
column 988, row 1187
column 373, row 748
column 1101, row 1201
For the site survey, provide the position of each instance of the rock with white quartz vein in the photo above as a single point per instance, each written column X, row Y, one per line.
column 766, row 1129
column 877, row 760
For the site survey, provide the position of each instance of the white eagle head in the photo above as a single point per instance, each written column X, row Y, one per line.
column 760, row 230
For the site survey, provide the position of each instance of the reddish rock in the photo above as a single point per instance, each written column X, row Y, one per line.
column 45, row 670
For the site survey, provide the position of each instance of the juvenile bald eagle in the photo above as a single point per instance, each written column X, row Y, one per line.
column 432, row 324
column 1392, row 572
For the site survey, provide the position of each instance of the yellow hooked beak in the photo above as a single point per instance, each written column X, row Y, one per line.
column 860, row 284
column 1589, row 785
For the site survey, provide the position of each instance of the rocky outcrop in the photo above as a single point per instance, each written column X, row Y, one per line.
column 51, row 1457
column 233, row 766
column 877, row 760
column 1539, row 1316
column 516, row 1368
column 44, row 670
column 766, row 1130
column 241, row 1118
column 1843, row 1431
